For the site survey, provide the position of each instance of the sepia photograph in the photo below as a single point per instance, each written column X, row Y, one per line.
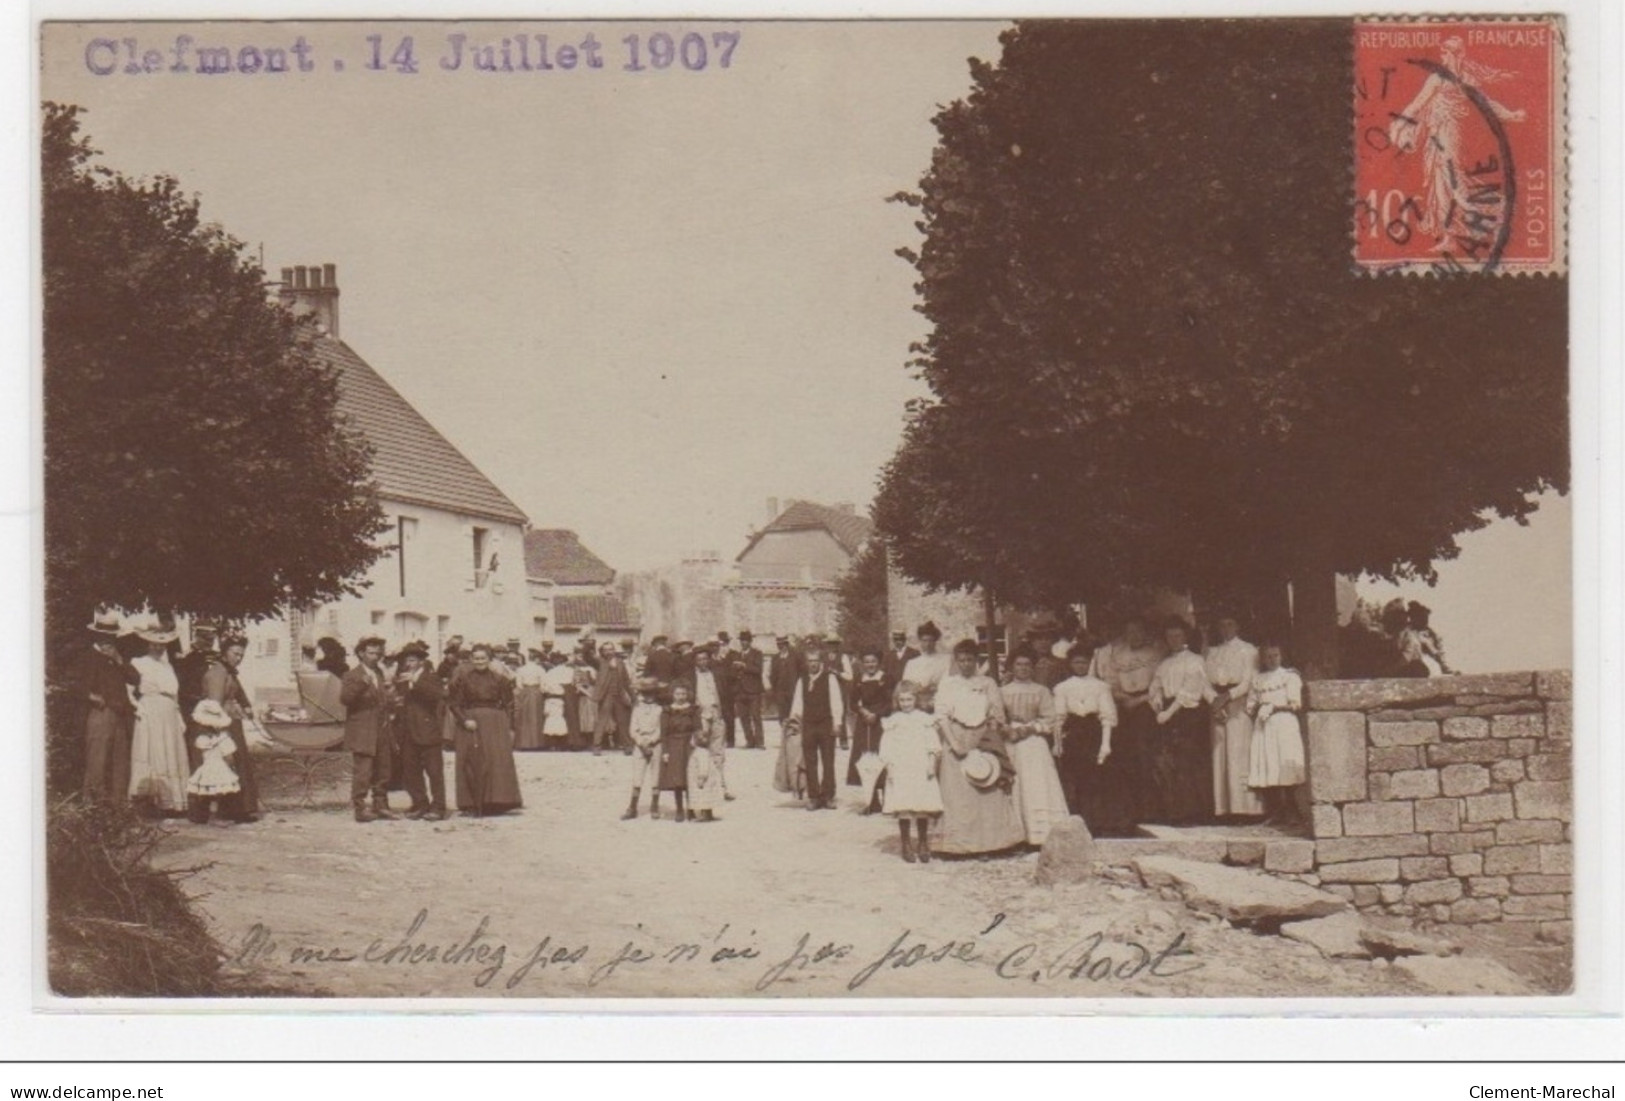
column 1050, row 508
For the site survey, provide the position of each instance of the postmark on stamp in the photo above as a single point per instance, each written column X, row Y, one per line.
column 1459, row 140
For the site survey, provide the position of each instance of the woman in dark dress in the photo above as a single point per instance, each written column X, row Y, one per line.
column 871, row 702
column 480, row 701
column 220, row 684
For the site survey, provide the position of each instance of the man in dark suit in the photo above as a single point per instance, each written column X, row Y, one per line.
column 723, row 654
column 416, row 696
column 612, row 693
column 660, row 663
column 896, row 659
column 748, row 689
column 103, row 681
column 362, row 693
column 818, row 710
column 782, row 670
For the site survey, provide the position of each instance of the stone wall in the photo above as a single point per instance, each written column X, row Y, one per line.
column 1447, row 798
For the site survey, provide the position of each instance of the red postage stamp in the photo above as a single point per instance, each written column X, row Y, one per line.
column 1459, row 145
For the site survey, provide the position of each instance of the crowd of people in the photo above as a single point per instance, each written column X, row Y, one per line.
column 1145, row 728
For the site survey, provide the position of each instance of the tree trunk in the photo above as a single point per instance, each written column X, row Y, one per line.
column 1314, row 622
column 990, row 610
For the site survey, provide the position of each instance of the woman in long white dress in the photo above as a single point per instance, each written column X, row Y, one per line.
column 1231, row 664
column 159, row 767
column 1031, row 731
column 1277, row 764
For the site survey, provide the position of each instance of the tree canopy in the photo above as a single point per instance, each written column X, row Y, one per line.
column 194, row 457
column 1151, row 361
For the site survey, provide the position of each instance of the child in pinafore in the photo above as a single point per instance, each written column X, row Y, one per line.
column 910, row 749
column 214, row 779
column 1276, row 751
column 645, row 759
column 678, row 726
column 705, row 782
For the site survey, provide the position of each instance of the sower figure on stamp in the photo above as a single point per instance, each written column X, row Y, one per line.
column 363, row 696
column 818, row 711
column 419, row 698
column 103, row 681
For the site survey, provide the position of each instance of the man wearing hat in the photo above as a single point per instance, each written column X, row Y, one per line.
column 102, row 684
column 782, row 670
column 363, row 694
column 898, row 656
column 417, row 695
column 748, row 689
column 927, row 670
column 818, row 711
column 660, row 663
column 612, row 694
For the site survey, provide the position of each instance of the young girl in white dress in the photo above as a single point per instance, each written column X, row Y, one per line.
column 1276, row 755
column 910, row 749
column 214, row 779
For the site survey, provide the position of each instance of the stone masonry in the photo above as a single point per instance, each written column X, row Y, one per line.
column 1446, row 798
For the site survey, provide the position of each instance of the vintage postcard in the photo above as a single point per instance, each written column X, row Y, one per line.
column 784, row 510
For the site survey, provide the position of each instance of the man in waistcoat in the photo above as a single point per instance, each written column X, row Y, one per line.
column 818, row 710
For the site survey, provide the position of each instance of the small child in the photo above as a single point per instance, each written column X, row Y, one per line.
column 705, row 781
column 1275, row 754
column 645, row 760
column 910, row 750
column 678, row 726
column 214, row 781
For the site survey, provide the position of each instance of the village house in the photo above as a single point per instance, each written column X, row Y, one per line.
column 454, row 546
column 571, row 592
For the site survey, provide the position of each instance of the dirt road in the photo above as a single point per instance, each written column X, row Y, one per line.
column 565, row 900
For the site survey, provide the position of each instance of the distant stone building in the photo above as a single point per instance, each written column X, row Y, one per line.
column 572, row 591
column 453, row 561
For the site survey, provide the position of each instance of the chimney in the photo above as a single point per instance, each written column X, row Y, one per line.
column 313, row 290
column 772, row 509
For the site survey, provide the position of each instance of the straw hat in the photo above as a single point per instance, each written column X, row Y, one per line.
column 981, row 768
column 209, row 713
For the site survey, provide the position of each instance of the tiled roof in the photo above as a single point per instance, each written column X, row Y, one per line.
column 599, row 611
column 849, row 529
column 558, row 556
column 412, row 461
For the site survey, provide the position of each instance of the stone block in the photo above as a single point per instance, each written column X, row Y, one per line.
column 1377, row 786
column 1507, row 707
column 1489, row 808
column 1341, row 849
column 1542, row 884
column 1532, row 725
column 1468, row 910
column 1450, row 844
column 1360, row 871
column 1560, row 721
column 1326, row 820
column 1336, row 936
column 1440, row 912
column 1534, row 907
column 1336, row 756
column 1416, row 714
column 1246, row 853
column 1433, row 890
column 1550, row 766
column 1372, row 695
column 1466, row 864
column 1407, row 733
column 1375, row 819
column 1421, row 783
column 1509, row 771
column 1522, row 747
column 1465, row 729
column 1240, row 896
column 1464, row 779
column 1415, row 868
column 1366, row 896
column 1544, row 799
column 1341, row 890
column 1489, row 886
column 1557, row 859
column 1390, row 893
column 1523, row 831
column 1068, row 854
column 1289, row 856
column 1512, row 859
column 1392, row 758
column 1557, row 932
column 1484, row 751
column 1555, row 684
column 1438, row 815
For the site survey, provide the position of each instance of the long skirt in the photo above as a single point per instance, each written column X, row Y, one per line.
column 974, row 820
column 527, row 718
column 1037, row 791
column 487, row 781
column 674, row 751
column 865, row 739
column 1182, row 767
column 159, row 767
column 790, row 772
column 1232, row 761
column 1277, row 752
column 1103, row 795
column 704, row 780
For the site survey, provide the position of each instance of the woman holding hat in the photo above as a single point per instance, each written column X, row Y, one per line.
column 158, row 762
column 221, row 685
column 978, row 813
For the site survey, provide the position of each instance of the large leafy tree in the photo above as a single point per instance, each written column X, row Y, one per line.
column 862, row 600
column 195, row 461
column 1151, row 362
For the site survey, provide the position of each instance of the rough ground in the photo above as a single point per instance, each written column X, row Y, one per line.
column 564, row 900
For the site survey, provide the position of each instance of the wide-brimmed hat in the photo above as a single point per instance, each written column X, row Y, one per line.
column 746, row 635
column 981, row 768
column 157, row 635
column 209, row 713
column 413, row 649
column 106, row 623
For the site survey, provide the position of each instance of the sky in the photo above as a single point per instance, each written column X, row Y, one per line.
column 642, row 302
